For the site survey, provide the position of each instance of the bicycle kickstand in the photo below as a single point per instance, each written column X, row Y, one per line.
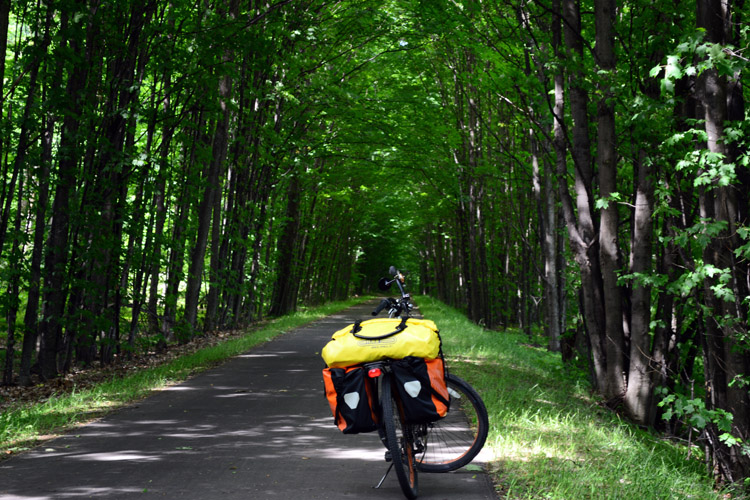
column 384, row 476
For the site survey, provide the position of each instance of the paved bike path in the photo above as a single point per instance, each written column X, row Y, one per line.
column 256, row 427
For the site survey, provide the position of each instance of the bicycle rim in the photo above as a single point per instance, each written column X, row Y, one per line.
column 455, row 440
column 400, row 444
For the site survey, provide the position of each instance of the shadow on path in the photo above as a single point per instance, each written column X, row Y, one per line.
column 257, row 427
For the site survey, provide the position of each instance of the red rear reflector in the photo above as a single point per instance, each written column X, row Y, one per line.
column 375, row 372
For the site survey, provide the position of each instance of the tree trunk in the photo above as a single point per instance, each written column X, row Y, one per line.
column 4, row 21
column 12, row 301
column 608, row 239
column 579, row 220
column 212, row 190
column 639, row 395
column 160, row 216
column 283, row 292
column 42, row 202
column 726, row 357
column 56, row 260
column 551, row 248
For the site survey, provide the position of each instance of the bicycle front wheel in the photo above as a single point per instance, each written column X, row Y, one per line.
column 456, row 439
column 400, row 439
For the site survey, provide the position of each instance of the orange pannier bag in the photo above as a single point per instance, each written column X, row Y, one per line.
column 349, row 395
column 422, row 388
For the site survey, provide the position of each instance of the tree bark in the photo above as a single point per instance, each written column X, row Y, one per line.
column 56, row 260
column 41, row 205
column 639, row 395
column 579, row 220
column 551, row 248
column 4, row 21
column 608, row 239
column 12, row 301
column 283, row 301
column 725, row 357
column 212, row 190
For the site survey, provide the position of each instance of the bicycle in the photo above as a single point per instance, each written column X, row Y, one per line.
column 444, row 445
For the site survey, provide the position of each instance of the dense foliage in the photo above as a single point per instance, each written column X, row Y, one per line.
column 174, row 167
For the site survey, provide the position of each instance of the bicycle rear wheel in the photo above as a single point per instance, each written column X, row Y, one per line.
column 456, row 439
column 400, row 439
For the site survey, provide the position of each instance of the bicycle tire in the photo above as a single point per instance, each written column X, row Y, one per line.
column 456, row 439
column 400, row 443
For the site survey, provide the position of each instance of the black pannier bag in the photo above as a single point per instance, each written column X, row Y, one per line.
column 422, row 388
column 350, row 396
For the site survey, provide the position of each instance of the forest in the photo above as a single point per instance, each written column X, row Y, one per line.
column 577, row 169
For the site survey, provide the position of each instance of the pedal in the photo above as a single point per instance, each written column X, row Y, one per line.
column 418, row 447
column 388, row 457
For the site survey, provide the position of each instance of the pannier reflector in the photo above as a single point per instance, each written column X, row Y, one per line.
column 413, row 388
column 351, row 399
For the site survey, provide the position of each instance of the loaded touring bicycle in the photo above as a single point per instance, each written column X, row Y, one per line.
column 388, row 375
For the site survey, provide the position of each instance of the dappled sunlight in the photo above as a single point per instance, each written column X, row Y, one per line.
column 178, row 388
column 548, row 448
column 157, row 422
column 298, row 436
column 91, row 492
column 274, row 354
column 242, row 432
column 116, row 456
column 353, row 453
column 77, row 492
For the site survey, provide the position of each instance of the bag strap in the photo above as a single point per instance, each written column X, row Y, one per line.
column 440, row 397
column 358, row 327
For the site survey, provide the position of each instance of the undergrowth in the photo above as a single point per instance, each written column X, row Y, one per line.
column 549, row 437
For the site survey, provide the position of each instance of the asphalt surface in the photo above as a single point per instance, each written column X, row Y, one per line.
column 256, row 427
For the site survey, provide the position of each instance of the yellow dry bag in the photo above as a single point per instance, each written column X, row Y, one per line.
column 382, row 338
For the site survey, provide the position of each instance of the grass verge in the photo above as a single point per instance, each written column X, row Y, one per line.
column 549, row 437
column 22, row 426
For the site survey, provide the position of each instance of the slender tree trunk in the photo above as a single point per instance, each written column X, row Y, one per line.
column 579, row 219
column 13, row 302
column 41, row 205
column 176, row 258
column 212, row 190
column 552, row 309
column 19, row 165
column 283, row 294
column 195, row 274
column 639, row 396
column 608, row 238
column 726, row 357
column 4, row 21
column 559, row 145
column 56, row 260
column 648, row 363
column 135, row 240
column 160, row 216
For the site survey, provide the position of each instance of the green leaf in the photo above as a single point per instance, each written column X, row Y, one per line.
column 698, row 420
column 729, row 439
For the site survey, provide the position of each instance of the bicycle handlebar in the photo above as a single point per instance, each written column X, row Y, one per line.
column 402, row 304
column 383, row 304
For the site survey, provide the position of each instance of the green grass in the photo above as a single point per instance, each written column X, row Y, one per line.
column 21, row 426
column 549, row 437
